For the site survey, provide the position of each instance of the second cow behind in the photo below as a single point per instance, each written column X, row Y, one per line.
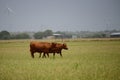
column 57, row 49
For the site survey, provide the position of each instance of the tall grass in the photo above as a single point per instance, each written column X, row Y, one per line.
column 85, row 60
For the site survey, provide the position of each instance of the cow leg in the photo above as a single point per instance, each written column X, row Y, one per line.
column 60, row 54
column 40, row 55
column 32, row 54
column 53, row 55
column 47, row 54
column 44, row 55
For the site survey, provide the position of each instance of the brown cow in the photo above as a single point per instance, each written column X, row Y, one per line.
column 40, row 47
column 57, row 49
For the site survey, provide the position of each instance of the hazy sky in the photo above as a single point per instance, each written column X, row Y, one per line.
column 59, row 15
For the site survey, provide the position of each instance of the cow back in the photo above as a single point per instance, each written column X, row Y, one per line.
column 41, row 46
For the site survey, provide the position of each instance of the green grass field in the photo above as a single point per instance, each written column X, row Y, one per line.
column 85, row 60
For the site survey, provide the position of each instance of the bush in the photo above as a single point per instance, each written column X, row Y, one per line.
column 21, row 36
column 38, row 35
column 4, row 35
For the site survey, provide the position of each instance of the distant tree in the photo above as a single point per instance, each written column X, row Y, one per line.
column 4, row 35
column 47, row 33
column 38, row 35
column 98, row 35
column 21, row 36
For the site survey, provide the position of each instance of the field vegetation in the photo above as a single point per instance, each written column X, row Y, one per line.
column 86, row 59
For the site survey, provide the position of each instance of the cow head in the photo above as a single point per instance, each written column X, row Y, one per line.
column 65, row 46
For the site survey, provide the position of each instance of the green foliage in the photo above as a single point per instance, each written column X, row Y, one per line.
column 4, row 35
column 85, row 60
column 40, row 35
column 48, row 33
column 21, row 36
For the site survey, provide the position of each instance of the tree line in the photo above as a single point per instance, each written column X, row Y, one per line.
column 5, row 35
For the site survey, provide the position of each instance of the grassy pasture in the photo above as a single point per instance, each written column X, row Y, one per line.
column 88, row 59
